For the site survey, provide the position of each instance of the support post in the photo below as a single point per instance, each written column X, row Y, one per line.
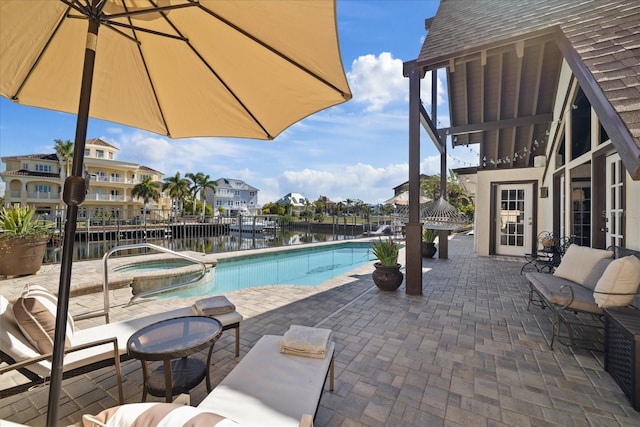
column 414, row 226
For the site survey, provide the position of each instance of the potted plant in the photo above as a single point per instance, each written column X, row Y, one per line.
column 387, row 275
column 428, row 247
column 23, row 241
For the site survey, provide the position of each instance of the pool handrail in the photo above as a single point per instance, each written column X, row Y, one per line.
column 105, row 280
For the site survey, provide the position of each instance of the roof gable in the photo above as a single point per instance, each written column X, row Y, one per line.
column 599, row 38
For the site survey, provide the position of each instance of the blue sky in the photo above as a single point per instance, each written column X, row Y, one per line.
column 357, row 150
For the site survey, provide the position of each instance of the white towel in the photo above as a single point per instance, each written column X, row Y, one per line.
column 213, row 306
column 305, row 341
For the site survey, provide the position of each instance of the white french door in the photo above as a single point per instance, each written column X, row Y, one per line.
column 615, row 201
column 514, row 227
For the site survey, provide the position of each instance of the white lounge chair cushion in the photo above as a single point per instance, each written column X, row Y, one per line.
column 156, row 414
column 15, row 345
column 35, row 314
column 269, row 388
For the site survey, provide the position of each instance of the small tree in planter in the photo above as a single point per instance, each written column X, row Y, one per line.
column 23, row 241
column 428, row 247
column 387, row 275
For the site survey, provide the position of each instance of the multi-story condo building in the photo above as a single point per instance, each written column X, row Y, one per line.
column 234, row 196
column 37, row 180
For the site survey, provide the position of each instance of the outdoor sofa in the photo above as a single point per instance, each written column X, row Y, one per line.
column 586, row 281
column 87, row 350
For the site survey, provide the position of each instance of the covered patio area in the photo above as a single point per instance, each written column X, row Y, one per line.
column 466, row 352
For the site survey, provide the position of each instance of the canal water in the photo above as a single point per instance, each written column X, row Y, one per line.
column 231, row 241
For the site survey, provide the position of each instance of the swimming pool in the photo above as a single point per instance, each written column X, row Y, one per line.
column 305, row 267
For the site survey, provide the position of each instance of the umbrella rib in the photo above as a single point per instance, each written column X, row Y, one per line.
column 146, row 69
column 143, row 30
column 231, row 92
column 16, row 95
column 155, row 9
column 276, row 52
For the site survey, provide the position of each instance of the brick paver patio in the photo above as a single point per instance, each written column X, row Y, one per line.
column 466, row 353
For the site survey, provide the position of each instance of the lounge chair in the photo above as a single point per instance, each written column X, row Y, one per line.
column 266, row 389
column 92, row 348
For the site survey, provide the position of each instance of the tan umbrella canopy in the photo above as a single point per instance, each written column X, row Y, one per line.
column 175, row 67
column 206, row 68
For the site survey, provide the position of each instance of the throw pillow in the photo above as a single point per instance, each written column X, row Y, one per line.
column 578, row 262
column 596, row 273
column 156, row 414
column 35, row 314
column 622, row 276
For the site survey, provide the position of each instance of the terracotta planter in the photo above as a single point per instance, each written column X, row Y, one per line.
column 428, row 249
column 387, row 278
column 22, row 256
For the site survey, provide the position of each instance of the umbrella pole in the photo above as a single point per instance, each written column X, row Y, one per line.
column 73, row 195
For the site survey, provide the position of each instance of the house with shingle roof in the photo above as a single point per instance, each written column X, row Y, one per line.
column 36, row 180
column 233, row 197
column 549, row 91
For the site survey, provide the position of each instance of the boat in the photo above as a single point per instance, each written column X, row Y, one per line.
column 246, row 226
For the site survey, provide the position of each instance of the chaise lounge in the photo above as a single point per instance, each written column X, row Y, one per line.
column 90, row 349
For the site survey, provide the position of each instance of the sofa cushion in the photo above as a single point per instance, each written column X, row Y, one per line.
column 578, row 262
column 558, row 291
column 35, row 314
column 596, row 273
column 156, row 414
column 622, row 276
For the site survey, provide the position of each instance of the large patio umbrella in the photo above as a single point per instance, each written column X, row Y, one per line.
column 179, row 68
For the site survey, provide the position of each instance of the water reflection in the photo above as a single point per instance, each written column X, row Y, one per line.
column 87, row 250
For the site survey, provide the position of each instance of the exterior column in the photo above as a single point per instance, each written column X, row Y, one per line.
column 414, row 226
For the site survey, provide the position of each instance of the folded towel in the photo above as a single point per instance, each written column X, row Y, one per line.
column 213, row 306
column 305, row 341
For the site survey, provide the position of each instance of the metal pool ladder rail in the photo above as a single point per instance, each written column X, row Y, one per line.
column 105, row 282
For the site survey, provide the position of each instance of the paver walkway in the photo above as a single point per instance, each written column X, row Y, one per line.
column 466, row 353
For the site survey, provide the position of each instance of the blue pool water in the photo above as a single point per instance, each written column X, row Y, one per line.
column 306, row 267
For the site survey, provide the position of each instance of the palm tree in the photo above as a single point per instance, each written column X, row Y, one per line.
column 146, row 190
column 64, row 151
column 178, row 189
column 349, row 203
column 201, row 183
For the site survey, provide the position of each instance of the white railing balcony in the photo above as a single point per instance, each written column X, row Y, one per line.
column 105, row 198
column 38, row 195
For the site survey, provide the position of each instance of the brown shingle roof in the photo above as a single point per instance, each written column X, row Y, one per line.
column 53, row 157
column 23, row 172
column 604, row 33
column 98, row 141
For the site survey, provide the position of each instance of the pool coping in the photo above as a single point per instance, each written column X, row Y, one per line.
column 87, row 276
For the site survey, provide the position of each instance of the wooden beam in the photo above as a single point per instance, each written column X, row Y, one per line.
column 500, row 124
column 534, row 103
column 413, row 255
column 516, row 101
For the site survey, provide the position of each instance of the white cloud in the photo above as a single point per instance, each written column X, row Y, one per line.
column 378, row 82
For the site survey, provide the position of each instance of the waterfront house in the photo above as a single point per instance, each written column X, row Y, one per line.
column 549, row 92
column 37, row 180
column 235, row 196
column 296, row 201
